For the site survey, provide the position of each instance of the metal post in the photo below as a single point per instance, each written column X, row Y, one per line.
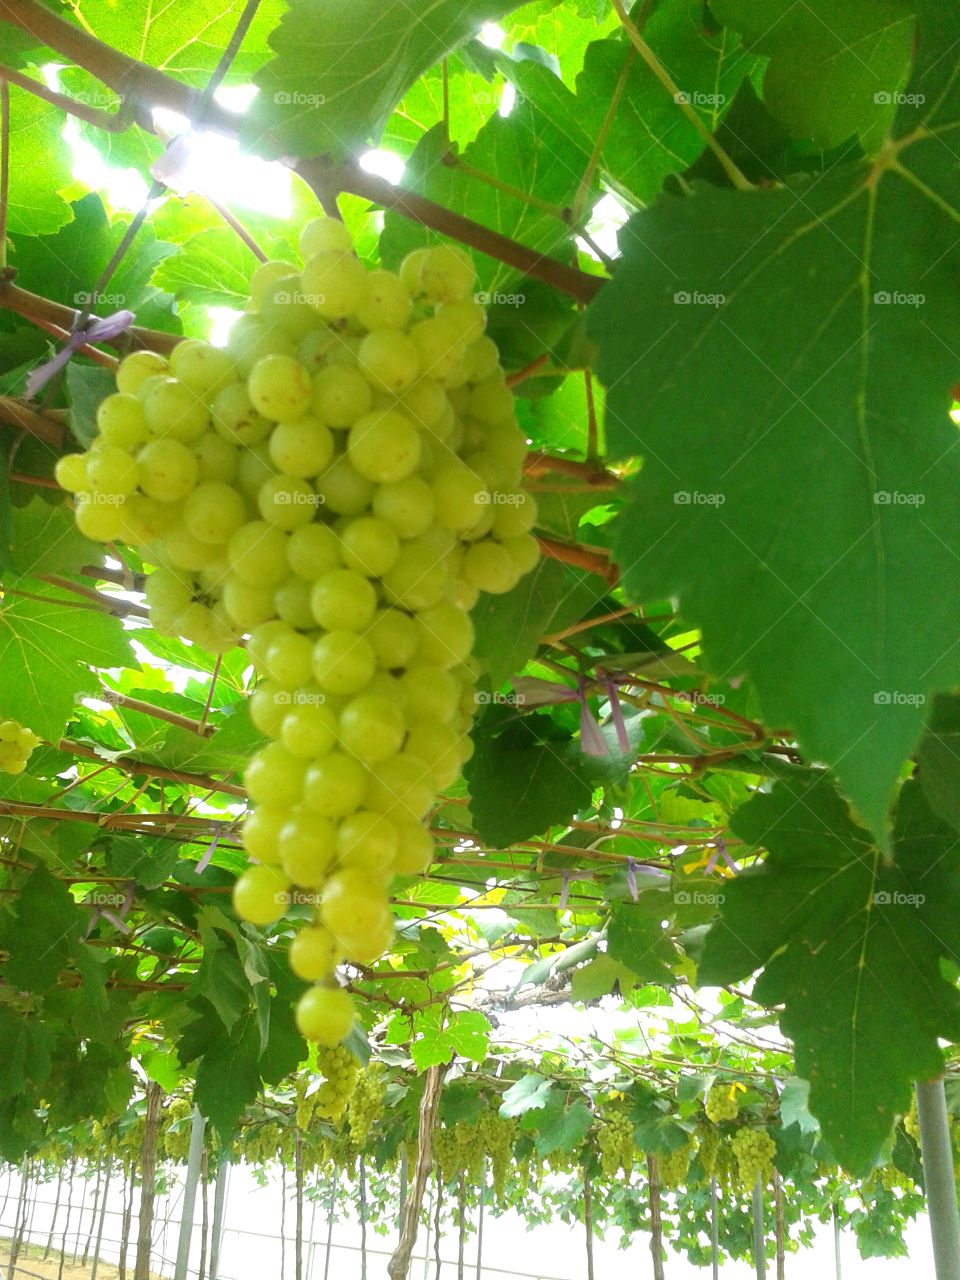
column 938, row 1178
column 188, row 1204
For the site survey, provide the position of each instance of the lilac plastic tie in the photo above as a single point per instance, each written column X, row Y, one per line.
column 632, row 865
column 100, row 330
column 616, row 713
column 566, row 877
column 592, row 741
column 720, row 851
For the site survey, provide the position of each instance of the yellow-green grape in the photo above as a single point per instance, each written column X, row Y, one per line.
column 16, row 745
column 338, row 485
column 615, row 1143
column 366, row 1105
column 754, row 1150
column 340, row 1069
column 721, row 1103
column 674, row 1165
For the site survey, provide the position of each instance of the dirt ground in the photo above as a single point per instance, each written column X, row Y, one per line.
column 30, row 1264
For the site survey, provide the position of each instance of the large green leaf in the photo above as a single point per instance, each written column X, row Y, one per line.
column 649, row 136
column 40, row 166
column 43, row 934
column 523, row 780
column 342, row 68
column 851, row 946
column 213, row 268
column 834, row 70
column 47, row 650
column 800, row 480
column 186, row 40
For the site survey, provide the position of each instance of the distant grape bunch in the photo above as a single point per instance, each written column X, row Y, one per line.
column 721, row 1103
column 754, row 1150
column 16, row 746
column 338, row 485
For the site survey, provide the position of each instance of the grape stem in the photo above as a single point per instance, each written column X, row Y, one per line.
column 137, row 82
column 579, row 557
column 17, row 413
column 127, row 764
column 44, row 312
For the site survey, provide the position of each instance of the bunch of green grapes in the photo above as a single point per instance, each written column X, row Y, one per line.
column 674, row 1165
column 721, row 1103
column 16, row 745
column 494, row 1137
column 754, row 1150
column 339, row 485
column 615, row 1143
column 454, row 1150
column 340, row 1070
column 708, row 1148
column 174, row 1142
column 365, row 1108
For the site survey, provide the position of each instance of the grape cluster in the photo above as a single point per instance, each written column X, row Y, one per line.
column 16, row 744
column 708, row 1149
column 340, row 1070
column 615, row 1143
column 674, row 1165
column 721, row 1103
column 338, row 485
column 366, row 1104
column 754, row 1150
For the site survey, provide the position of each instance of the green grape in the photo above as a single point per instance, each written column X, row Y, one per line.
column 16, row 746
column 341, row 395
column 384, row 446
column 280, row 388
column 251, row 341
column 121, row 421
column 266, row 276
column 407, row 505
column 488, row 566
column 460, row 497
column 387, row 303
column 261, row 833
column 292, row 600
column 335, row 283
column 175, row 411
column 313, row 954
column 203, row 368
column 324, row 235
column 428, row 692
column 371, row 728
column 284, row 307
column 446, row 273
column 343, row 662
column 369, row 546
column 101, row 521
column 235, row 418
column 213, row 513
column 415, row 848
column 260, row 895
column 135, row 368
column 390, row 360
column 444, row 635
column 286, row 502
column 111, row 470
column 342, row 489
column 168, row 470
column 308, row 846
column 70, row 472
column 302, row 448
column 275, row 777
column 366, row 841
column 401, row 789
column 340, row 1069
column 418, row 580
column 325, row 1015
column 343, row 600
column 289, row 659
column 257, row 554
column 312, row 551
column 335, row 785
column 442, row 352
column 217, row 459
column 247, row 606
column 674, row 1166
column 394, row 637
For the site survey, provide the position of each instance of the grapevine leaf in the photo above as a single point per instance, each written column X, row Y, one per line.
column 600, row 977
column 530, row 1093
column 43, row 933
column 341, row 69
column 803, row 296
column 523, row 781
column 939, row 761
column 46, row 541
column 26, row 1052
column 221, row 978
column 562, row 1124
column 40, row 166
column 185, row 40
column 213, row 268
column 851, row 946
column 47, row 648
column 439, row 1039
column 227, row 1075
column 636, row 937
column 87, row 385
column 795, row 1105
column 834, row 70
